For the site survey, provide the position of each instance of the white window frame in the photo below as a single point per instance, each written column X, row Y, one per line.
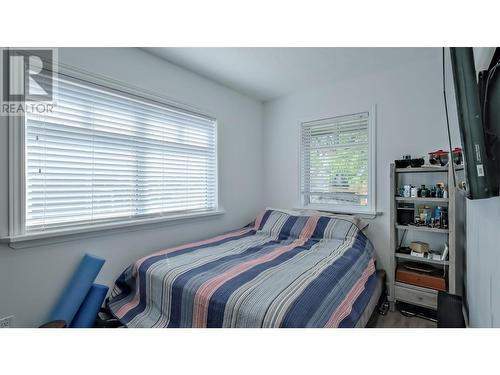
column 17, row 236
column 368, row 211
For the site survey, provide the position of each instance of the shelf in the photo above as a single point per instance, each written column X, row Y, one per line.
column 422, row 229
column 423, row 169
column 422, row 260
column 420, row 199
column 426, row 169
column 455, row 203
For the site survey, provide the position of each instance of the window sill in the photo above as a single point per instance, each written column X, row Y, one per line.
column 343, row 211
column 56, row 236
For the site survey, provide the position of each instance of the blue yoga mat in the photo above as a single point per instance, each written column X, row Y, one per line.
column 87, row 313
column 77, row 289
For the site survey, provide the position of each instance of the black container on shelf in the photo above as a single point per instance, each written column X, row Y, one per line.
column 406, row 216
column 402, row 163
column 417, row 163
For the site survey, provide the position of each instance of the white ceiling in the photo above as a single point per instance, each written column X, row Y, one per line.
column 269, row 73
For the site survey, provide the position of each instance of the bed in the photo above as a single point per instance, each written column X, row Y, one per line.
column 283, row 270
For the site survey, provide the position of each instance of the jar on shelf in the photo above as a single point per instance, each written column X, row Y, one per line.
column 424, row 192
column 433, row 193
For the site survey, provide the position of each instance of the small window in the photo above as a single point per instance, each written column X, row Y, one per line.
column 337, row 157
column 105, row 155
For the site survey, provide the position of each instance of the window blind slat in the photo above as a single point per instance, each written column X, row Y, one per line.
column 83, row 94
column 103, row 156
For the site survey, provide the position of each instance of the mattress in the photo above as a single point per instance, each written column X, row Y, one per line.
column 283, row 270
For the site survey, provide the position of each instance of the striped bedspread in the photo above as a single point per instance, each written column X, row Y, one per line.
column 281, row 271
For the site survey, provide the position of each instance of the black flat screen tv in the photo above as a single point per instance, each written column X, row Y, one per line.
column 478, row 105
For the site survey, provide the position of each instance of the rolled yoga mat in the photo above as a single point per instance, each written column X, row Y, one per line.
column 85, row 317
column 77, row 289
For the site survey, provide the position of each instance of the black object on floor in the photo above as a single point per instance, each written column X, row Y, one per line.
column 409, row 310
column 449, row 314
column 54, row 324
column 105, row 319
column 383, row 303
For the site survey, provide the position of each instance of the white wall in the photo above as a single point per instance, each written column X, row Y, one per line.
column 483, row 261
column 32, row 279
column 410, row 120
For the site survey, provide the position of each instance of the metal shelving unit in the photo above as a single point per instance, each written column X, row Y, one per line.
column 453, row 235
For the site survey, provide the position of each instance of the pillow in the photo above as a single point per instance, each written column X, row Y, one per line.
column 356, row 220
column 276, row 223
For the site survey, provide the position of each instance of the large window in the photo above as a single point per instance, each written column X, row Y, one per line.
column 337, row 163
column 105, row 155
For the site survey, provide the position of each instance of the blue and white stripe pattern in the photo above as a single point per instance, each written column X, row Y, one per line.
column 282, row 271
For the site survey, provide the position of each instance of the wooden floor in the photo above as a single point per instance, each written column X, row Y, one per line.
column 394, row 319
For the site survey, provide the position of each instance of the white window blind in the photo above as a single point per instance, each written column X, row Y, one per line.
column 105, row 155
column 335, row 163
